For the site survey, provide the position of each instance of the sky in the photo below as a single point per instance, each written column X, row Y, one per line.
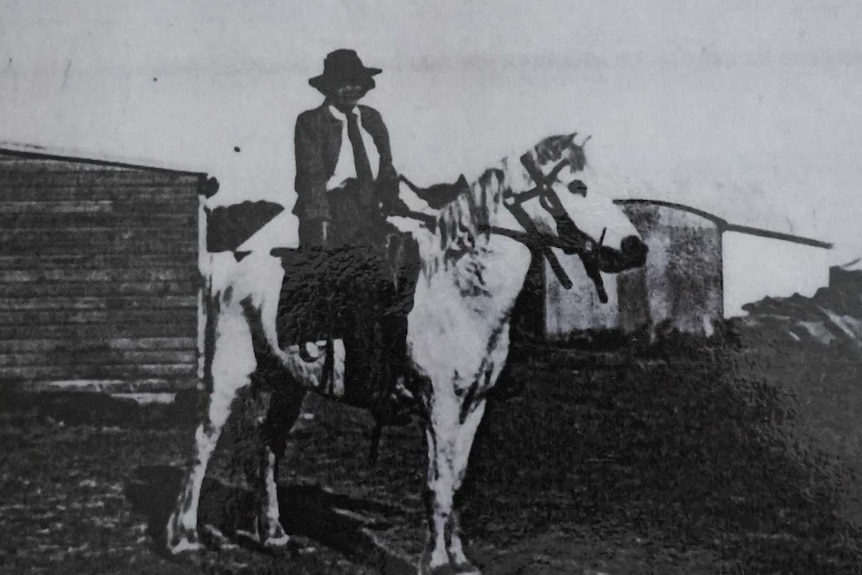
column 746, row 109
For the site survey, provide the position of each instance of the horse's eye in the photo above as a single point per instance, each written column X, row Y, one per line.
column 578, row 187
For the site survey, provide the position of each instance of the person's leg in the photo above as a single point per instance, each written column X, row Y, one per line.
column 353, row 304
column 398, row 273
column 301, row 318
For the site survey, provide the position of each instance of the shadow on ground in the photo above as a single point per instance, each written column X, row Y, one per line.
column 336, row 521
column 98, row 409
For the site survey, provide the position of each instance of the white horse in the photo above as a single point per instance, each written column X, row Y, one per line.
column 474, row 263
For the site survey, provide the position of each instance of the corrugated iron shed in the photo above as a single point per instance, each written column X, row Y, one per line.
column 682, row 285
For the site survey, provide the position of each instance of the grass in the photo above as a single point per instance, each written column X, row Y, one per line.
column 679, row 457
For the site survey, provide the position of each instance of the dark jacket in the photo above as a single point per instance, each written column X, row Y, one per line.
column 317, row 144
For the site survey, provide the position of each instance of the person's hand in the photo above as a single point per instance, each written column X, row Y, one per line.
column 324, row 232
column 390, row 204
column 314, row 233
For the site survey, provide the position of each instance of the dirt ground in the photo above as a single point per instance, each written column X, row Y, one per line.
column 705, row 461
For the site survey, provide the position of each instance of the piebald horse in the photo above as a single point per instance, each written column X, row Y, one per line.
column 475, row 259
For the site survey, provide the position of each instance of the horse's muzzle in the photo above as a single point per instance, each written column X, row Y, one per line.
column 632, row 254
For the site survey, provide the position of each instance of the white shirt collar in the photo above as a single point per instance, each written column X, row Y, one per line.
column 339, row 115
column 344, row 167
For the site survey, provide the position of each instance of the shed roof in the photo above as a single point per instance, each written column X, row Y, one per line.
column 725, row 226
column 58, row 154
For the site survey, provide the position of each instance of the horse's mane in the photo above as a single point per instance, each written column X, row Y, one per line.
column 463, row 221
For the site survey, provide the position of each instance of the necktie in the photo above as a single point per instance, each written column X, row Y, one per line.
column 360, row 157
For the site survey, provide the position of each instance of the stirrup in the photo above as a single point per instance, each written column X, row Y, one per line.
column 310, row 352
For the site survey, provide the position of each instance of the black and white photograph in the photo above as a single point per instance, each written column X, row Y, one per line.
column 430, row 288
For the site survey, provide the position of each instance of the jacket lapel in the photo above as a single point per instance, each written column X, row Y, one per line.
column 332, row 142
column 333, row 130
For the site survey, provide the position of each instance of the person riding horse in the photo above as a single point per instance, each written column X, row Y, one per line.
column 343, row 156
column 346, row 186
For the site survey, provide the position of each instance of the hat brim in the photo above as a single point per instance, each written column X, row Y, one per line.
column 326, row 82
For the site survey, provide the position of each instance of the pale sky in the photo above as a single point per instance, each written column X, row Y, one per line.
column 745, row 109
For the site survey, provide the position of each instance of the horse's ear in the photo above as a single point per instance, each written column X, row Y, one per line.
column 462, row 183
column 571, row 138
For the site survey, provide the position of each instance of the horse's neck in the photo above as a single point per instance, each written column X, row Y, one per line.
column 488, row 278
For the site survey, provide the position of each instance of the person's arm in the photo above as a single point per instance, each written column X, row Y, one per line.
column 387, row 177
column 310, row 181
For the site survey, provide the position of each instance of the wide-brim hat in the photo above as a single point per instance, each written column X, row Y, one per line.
column 341, row 66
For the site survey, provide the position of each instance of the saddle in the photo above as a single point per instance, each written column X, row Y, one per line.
column 359, row 289
column 360, row 292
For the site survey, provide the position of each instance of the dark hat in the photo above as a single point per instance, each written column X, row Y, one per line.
column 340, row 66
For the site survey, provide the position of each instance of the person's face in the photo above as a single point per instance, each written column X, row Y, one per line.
column 347, row 95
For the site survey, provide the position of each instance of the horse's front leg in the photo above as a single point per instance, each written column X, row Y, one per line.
column 467, row 434
column 450, row 432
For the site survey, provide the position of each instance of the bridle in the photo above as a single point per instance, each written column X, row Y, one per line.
column 569, row 238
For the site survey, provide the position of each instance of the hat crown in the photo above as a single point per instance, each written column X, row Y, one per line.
column 342, row 63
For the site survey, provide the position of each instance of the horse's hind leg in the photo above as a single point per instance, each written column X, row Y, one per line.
column 232, row 363
column 182, row 525
column 277, row 411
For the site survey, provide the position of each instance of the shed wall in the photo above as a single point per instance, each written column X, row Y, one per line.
column 578, row 308
column 99, row 273
column 681, row 283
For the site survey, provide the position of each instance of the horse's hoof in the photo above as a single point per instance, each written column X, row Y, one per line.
column 215, row 538
column 185, row 545
column 274, row 543
column 425, row 568
column 277, row 542
column 466, row 569
column 179, row 539
column 442, row 570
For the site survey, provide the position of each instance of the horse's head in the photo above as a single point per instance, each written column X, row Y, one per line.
column 556, row 200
